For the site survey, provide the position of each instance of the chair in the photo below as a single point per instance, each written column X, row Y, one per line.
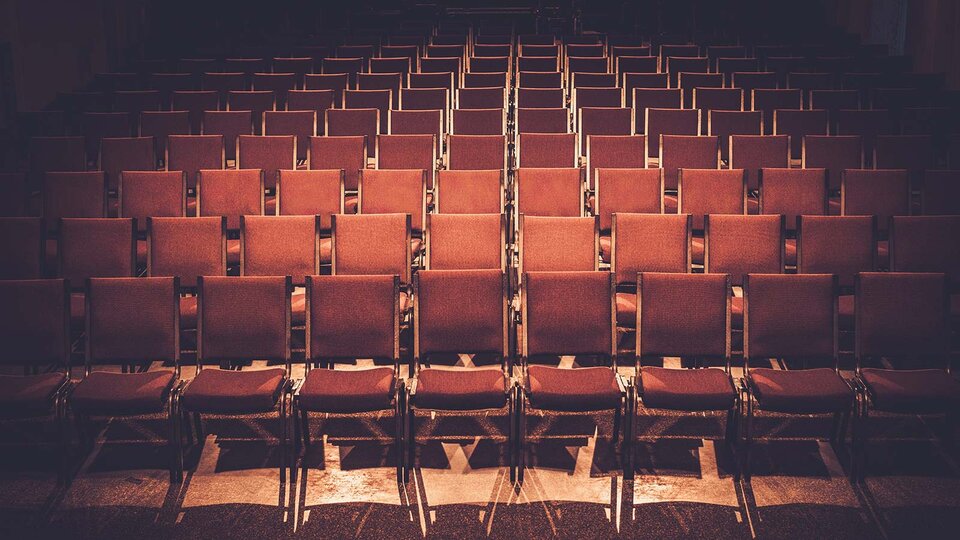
column 808, row 82
column 300, row 124
column 191, row 153
column 231, row 193
column 466, row 242
column 399, row 66
column 904, row 318
column 557, row 244
column 195, row 103
column 479, row 122
column 469, row 192
column 343, row 66
column 481, row 98
column 686, row 152
column 549, row 192
column 833, row 153
column 486, row 65
column 654, row 98
column 614, row 152
column 632, row 81
column 230, row 125
column 868, row 124
column 255, row 101
column 701, row 192
column 547, row 150
column 408, row 152
column 131, row 321
column 347, row 153
column 159, row 125
column 688, row 82
column 595, row 97
column 569, row 313
column 915, row 153
column 442, row 65
column 686, row 50
column 755, row 152
column 427, row 99
column 445, row 326
column 768, row 100
column 685, row 64
column 923, row 244
column 551, row 120
column 373, row 244
column 354, row 122
column 269, row 153
column 336, row 82
column 298, row 66
column 151, row 193
column 669, row 122
column 833, row 101
column 73, row 195
column 594, row 80
column 337, row 331
column 539, row 79
column 125, row 154
column 604, row 121
column 750, row 81
column 477, row 152
column 793, row 193
column 537, row 63
column 415, row 122
column 312, row 193
column 22, row 248
column 619, row 191
column 798, row 124
column 317, row 101
column 802, row 330
column 939, row 194
column 391, row 82
column 715, row 99
column 399, row 191
column 279, row 83
column 96, row 126
column 724, row 124
column 882, row 192
column 241, row 319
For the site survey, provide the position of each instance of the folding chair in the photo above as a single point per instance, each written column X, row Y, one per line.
column 195, row 103
column 399, row 191
column 550, row 120
column 354, row 122
column 191, row 153
column 231, row 193
column 604, row 121
column 882, row 192
column 724, row 124
column 686, row 152
column 549, row 192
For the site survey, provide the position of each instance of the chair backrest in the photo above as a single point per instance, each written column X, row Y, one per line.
column 723, row 124
column 354, row 122
column 794, row 193
column 469, row 192
column 840, row 245
column 269, row 153
column 243, row 318
column 711, row 191
column 883, row 193
column 940, row 193
column 479, row 122
column 690, row 81
column 35, row 322
column 187, row 247
column 754, row 152
column 539, row 79
column 408, row 152
column 255, row 101
column 191, row 153
column 902, row 314
column 229, row 124
column 604, row 121
column 97, row 247
column 834, row 153
column 353, row 317
column 300, row 124
column 311, row 193
column 195, row 103
column 231, row 193
column 125, row 154
column 768, row 100
column 686, row 152
column 547, row 150
column 397, row 191
column 649, row 243
column 925, row 244
column 371, row 244
column 466, row 241
column 132, row 320
column 653, row 98
column 280, row 246
column 161, row 124
column 447, row 324
column 568, row 313
column 797, row 124
column 73, row 195
column 379, row 100
column 790, row 316
column 596, row 97
column 337, row 82
column 477, row 152
column 614, row 152
column 347, row 153
column 669, row 122
column 869, row 124
column 683, row 315
column 741, row 245
column 549, row 191
column 382, row 81
column 22, row 248
column 154, row 193
column 481, row 98
column 555, row 244
column 627, row 191
column 317, row 101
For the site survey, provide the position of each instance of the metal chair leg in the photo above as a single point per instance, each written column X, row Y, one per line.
column 521, row 438
column 748, row 437
column 618, row 413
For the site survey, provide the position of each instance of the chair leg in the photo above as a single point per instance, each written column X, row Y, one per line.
column 305, row 427
column 174, row 441
column 198, row 426
column 63, row 468
column 748, row 436
column 411, row 442
column 864, row 436
column 521, row 437
column 511, row 441
column 618, row 413
column 398, row 435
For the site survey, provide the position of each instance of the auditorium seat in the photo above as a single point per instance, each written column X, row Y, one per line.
column 195, row 103
column 604, row 121
column 397, row 191
column 354, row 122
column 555, row 150
column 671, row 122
column 125, row 154
column 755, row 152
column 231, row 193
column 798, row 124
column 685, row 152
column 554, row 192
column 477, row 152
column 191, row 153
column 465, row 241
column 158, row 125
column 335, row 82
column 151, row 194
column 724, row 124
column 21, row 248
column 546, row 120
column 793, row 193
column 479, row 121
column 469, row 192
column 300, row 124
column 230, row 125
column 268, row 153
column 625, row 191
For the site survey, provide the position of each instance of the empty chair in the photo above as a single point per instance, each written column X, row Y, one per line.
column 125, row 154
column 604, row 121
column 477, row 152
column 312, row 193
column 614, row 152
column 923, row 244
column 336, row 82
column 680, row 64
column 469, row 192
column 547, row 150
column 121, row 332
column 427, row 99
column 623, row 190
column 539, row 79
column 707, row 99
column 281, row 246
column 399, row 191
column 481, row 98
column 797, row 124
column 833, row 153
column 352, row 122
column 191, row 153
column 767, row 100
column 793, row 193
column 373, row 244
column 269, row 153
column 479, row 122
column 398, row 66
column 457, row 241
column 317, row 101
column 343, row 65
column 195, row 103
column 21, row 248
column 412, row 122
column 228, row 334
column 915, row 153
column 537, row 63
column 446, row 326
column 750, row 81
column 279, row 83
column 702, row 192
column 558, row 244
column 723, row 124
column 229, row 124
column 380, row 100
column 540, row 98
column 669, row 122
column 549, row 191
column 151, row 193
column 594, row 80
column 686, row 152
column 595, row 97
column 452, row 65
column 800, row 331
column 408, row 152
column 257, row 102
column 231, row 193
column 347, row 153
column 569, row 313
column 868, row 124
column 654, row 98
column 300, row 124
column 73, row 195
column 337, row 331
column 882, row 193
column 940, row 194
column 161, row 124
column 626, row 65
column 485, row 65
column 97, row 126
column 755, row 152
column 551, row 120
column 382, row 81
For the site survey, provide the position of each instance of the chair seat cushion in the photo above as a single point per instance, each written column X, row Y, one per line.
column 108, row 393
column 416, row 244
column 221, row 391
column 845, row 310
column 188, row 312
column 298, row 307
column 801, row 391
column 627, row 310
column 326, row 248
column 576, row 389
column 606, row 245
column 347, row 391
column 790, row 252
column 696, row 250
column 670, row 204
column 707, row 389
column 736, row 312
column 233, row 252
column 29, row 393
column 912, row 391
column 467, row 389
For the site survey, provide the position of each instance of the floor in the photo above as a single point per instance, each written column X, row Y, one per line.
column 344, row 486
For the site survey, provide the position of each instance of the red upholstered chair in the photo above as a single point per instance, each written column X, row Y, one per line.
column 21, row 248
column 479, row 122
column 337, row 82
column 834, row 153
column 798, row 124
column 569, row 313
column 317, row 101
column 690, row 81
column 669, row 122
column 557, row 244
column 477, row 152
column 594, row 80
column 35, row 331
column 755, row 152
column 903, row 318
column 482, row 65
column 547, row 150
column 380, row 100
column 151, row 193
column 674, row 65
column 595, row 97
column 427, row 99
column 391, row 66
column 131, row 321
column 397, row 191
column 927, row 244
column 161, row 124
column 347, row 153
column 686, row 316
column 653, row 98
column 707, row 99
column 800, row 331
column 868, row 124
column 190, row 153
column 646, row 243
column 604, row 121
column 230, row 125
column 413, row 122
column 940, row 193
column 481, row 98
column 73, row 195
column 539, row 79
column 231, row 193
column 351, row 317
column 750, row 81
column 793, row 193
column 312, row 193
column 915, row 153
column 550, row 120
column 299, row 124
column 637, row 191
column 537, row 63
column 767, row 100
column 446, row 325
column 701, row 192
column 685, row 152
column 469, row 192
column 241, row 319
column 255, row 101
column 879, row 192
column 549, row 192
column 299, row 66
column 269, row 153
column 125, row 154
column 614, row 152
column 279, row 83
column 724, row 124
column 466, row 242
column 343, row 66
column 372, row 244
column 195, row 103
column 408, row 152
column 628, row 66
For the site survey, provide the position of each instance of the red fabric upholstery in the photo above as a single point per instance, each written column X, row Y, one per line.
column 131, row 320
column 686, row 152
column 345, row 152
column 107, row 393
column 476, row 152
column 220, row 391
column 125, row 154
column 308, row 193
column 614, row 152
column 161, row 124
column 793, row 192
column 540, row 98
column 473, row 389
column 191, row 153
column 549, row 192
column 460, row 311
column 707, row 389
column 352, row 316
column 372, row 244
column 244, row 318
column 336, row 82
column 280, row 246
column 789, row 315
column 408, row 152
column 798, row 124
column 415, row 122
column 557, row 243
column 29, row 394
column 626, row 310
column 195, row 103
column 187, row 248
column 711, row 191
column 255, row 101
column 470, row 192
column 568, row 313
column 400, row 191
column 738, row 245
column 231, row 193
column 145, row 194
column 836, row 245
column 542, row 120
column 685, row 122
column 802, row 391
column 653, row 98
column 683, row 315
column 347, row 391
column 96, row 247
column 768, row 100
column 229, row 124
column 355, row 122
column 604, row 121
column 576, row 389
column 547, row 150
column 271, row 153
column 902, row 314
column 627, row 191
column 465, row 241
column 755, row 152
column 300, row 124
column 724, row 124
column 912, row 391
column 479, row 121
column 650, row 243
